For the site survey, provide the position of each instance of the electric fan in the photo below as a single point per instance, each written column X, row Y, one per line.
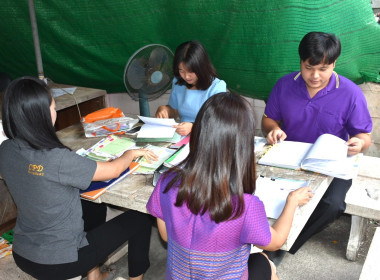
column 148, row 74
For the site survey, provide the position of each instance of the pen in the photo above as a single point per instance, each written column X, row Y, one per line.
column 289, row 190
column 288, row 180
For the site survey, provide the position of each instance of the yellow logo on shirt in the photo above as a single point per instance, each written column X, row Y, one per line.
column 35, row 169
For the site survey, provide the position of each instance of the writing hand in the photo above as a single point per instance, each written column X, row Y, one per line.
column 300, row 196
column 355, row 146
column 183, row 128
column 162, row 112
column 276, row 135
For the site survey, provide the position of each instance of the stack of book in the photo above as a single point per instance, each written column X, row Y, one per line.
column 107, row 149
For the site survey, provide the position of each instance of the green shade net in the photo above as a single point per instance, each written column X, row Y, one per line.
column 251, row 43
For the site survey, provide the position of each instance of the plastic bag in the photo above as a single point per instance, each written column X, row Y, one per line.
column 107, row 121
column 5, row 248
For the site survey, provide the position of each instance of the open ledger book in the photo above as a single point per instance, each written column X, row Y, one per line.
column 328, row 155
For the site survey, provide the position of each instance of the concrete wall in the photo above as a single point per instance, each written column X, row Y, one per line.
column 372, row 94
column 375, row 3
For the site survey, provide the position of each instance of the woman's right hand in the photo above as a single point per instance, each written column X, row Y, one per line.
column 281, row 228
column 300, row 196
column 163, row 112
column 136, row 153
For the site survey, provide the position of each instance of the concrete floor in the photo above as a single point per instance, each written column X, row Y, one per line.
column 322, row 258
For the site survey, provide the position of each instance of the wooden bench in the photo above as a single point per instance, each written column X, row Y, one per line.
column 370, row 269
column 360, row 205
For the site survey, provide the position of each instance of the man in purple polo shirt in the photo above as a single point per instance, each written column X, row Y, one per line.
column 304, row 105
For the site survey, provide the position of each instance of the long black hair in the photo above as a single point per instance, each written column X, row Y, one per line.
column 194, row 56
column 26, row 113
column 220, row 167
column 319, row 47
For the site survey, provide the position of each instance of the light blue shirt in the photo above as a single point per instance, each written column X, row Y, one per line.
column 189, row 101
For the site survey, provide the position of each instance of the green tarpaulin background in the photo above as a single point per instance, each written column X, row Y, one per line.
column 251, row 43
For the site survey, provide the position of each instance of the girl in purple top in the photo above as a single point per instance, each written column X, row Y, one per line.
column 205, row 208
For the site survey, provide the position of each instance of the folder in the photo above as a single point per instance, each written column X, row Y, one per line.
column 97, row 188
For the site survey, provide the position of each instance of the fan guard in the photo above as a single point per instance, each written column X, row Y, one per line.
column 148, row 72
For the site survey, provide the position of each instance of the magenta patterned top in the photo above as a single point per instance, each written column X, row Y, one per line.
column 199, row 248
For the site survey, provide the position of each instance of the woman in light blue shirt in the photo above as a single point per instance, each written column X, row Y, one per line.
column 195, row 80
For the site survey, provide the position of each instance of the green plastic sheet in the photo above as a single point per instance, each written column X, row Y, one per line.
column 251, row 43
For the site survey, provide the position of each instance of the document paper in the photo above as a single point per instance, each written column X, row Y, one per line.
column 273, row 192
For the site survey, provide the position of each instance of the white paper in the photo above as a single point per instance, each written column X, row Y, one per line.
column 329, row 156
column 158, row 121
column 327, row 147
column 61, row 91
column 286, row 154
column 273, row 192
column 156, row 128
column 2, row 134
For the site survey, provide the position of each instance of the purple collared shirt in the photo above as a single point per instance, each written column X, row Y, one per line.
column 339, row 109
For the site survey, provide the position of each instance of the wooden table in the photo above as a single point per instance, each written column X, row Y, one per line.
column 134, row 191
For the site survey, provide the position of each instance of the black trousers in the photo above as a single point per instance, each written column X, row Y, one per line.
column 258, row 267
column 104, row 238
column 330, row 207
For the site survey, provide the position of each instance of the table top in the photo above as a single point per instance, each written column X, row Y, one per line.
column 80, row 95
column 134, row 191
